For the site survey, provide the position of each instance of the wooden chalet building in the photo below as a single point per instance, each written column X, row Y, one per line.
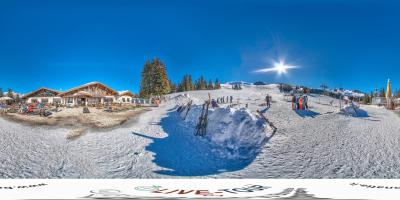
column 89, row 94
column 125, row 97
column 43, row 95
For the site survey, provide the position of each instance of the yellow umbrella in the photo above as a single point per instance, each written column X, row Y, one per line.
column 388, row 90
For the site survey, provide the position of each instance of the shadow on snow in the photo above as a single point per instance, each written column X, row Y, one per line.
column 183, row 154
column 359, row 113
column 306, row 113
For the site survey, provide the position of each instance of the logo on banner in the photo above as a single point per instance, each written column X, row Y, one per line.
column 299, row 194
column 22, row 186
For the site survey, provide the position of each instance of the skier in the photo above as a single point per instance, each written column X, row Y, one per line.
column 293, row 102
column 306, row 102
column 231, row 99
column 270, row 101
column 40, row 107
column 30, row 109
column 301, row 103
column 214, row 104
column 298, row 103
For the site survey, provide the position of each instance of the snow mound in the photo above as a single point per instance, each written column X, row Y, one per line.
column 235, row 132
column 354, row 110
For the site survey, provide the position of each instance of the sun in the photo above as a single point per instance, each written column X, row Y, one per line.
column 281, row 68
column 278, row 67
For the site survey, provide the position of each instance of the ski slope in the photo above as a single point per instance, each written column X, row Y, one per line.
column 320, row 143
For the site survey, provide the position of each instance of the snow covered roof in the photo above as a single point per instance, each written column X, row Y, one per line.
column 56, row 92
column 125, row 93
column 87, row 85
column 5, row 98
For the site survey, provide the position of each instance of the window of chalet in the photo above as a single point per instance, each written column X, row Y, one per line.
column 94, row 100
column 108, row 100
column 45, row 100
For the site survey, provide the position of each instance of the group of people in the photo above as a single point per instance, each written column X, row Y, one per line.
column 29, row 108
column 300, row 102
column 227, row 99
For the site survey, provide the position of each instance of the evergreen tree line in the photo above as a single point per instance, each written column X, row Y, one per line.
column 187, row 84
column 155, row 82
column 382, row 93
column 10, row 94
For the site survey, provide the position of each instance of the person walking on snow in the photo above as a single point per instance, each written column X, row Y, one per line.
column 293, row 102
column 269, row 99
column 214, row 104
column 301, row 103
column 305, row 102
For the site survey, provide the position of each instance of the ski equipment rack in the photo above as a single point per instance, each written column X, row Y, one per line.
column 188, row 107
column 201, row 127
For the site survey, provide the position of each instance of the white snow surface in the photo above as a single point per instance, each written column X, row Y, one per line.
column 319, row 143
column 235, row 132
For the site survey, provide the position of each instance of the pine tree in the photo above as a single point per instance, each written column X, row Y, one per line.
column 172, row 86
column 154, row 80
column 217, row 85
column 146, row 82
column 186, row 84
column 1, row 92
column 190, row 85
column 366, row 99
column 17, row 99
column 183, row 85
column 180, row 87
column 382, row 92
column 210, row 85
column 10, row 93
column 201, row 84
column 160, row 79
column 397, row 93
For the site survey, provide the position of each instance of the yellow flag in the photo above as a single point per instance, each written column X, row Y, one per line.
column 388, row 90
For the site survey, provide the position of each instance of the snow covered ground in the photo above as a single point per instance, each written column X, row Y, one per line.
column 320, row 143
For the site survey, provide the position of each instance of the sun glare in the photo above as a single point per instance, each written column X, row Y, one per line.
column 281, row 68
column 278, row 67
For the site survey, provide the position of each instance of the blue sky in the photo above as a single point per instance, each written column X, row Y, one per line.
column 61, row 44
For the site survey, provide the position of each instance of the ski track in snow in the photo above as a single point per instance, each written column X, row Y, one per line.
column 318, row 144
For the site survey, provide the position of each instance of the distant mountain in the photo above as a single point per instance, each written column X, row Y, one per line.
column 238, row 82
column 14, row 94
